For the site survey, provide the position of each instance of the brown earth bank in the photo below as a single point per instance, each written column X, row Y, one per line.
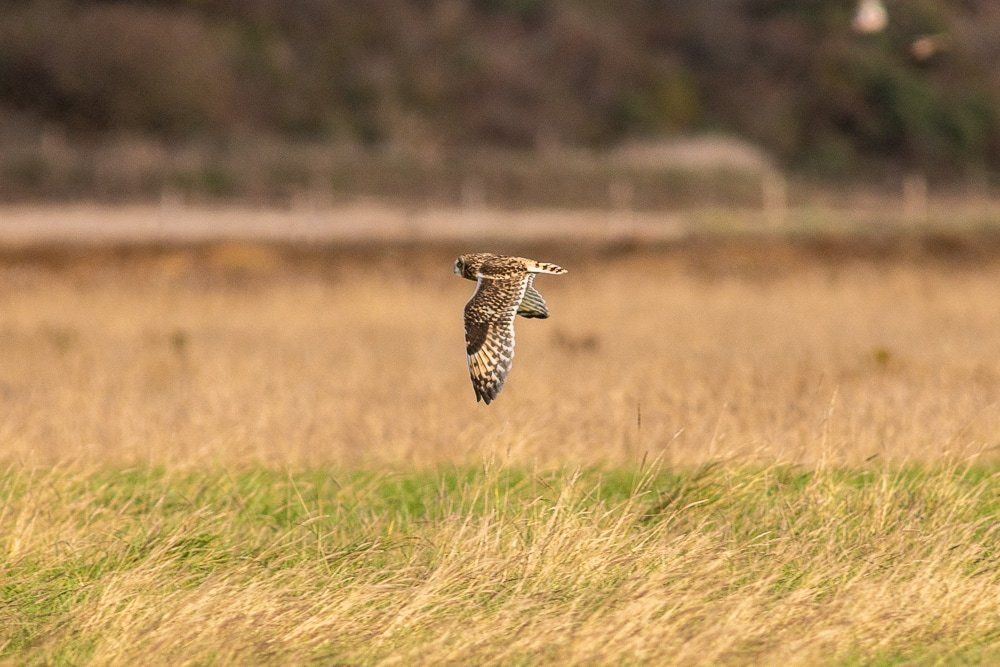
column 751, row 255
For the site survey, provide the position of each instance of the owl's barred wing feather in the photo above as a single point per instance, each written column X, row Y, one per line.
column 532, row 305
column 489, row 332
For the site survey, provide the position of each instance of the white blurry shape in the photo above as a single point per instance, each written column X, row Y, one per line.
column 871, row 17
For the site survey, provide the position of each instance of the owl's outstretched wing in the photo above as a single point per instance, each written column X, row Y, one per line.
column 489, row 332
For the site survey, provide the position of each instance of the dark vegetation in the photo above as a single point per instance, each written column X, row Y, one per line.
column 433, row 77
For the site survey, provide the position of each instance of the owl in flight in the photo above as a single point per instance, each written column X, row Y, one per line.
column 504, row 288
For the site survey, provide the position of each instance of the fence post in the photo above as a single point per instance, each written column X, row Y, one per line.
column 775, row 191
column 979, row 194
column 473, row 192
column 915, row 199
column 621, row 196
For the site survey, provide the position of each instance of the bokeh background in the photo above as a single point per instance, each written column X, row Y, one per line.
column 510, row 103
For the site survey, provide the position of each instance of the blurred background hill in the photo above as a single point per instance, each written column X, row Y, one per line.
column 509, row 101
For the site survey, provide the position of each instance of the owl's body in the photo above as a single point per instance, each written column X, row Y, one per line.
column 504, row 289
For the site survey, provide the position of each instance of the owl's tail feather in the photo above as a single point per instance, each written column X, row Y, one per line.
column 545, row 267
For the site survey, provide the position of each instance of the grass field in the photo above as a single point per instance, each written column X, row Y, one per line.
column 240, row 453
column 500, row 565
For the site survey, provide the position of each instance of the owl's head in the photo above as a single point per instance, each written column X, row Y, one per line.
column 467, row 266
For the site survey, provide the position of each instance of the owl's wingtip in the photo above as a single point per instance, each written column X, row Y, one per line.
column 487, row 394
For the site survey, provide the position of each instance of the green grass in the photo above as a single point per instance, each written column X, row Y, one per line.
column 359, row 566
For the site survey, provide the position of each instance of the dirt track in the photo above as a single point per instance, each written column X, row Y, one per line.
column 365, row 222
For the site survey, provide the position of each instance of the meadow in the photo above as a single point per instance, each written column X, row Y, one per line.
column 711, row 453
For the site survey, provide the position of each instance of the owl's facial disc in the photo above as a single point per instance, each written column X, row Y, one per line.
column 458, row 267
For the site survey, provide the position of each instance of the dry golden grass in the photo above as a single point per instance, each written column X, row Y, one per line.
column 214, row 455
column 231, row 355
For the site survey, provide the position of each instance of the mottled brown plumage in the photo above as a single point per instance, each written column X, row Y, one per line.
column 505, row 288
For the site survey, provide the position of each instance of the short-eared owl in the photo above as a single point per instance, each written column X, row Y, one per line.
column 504, row 288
